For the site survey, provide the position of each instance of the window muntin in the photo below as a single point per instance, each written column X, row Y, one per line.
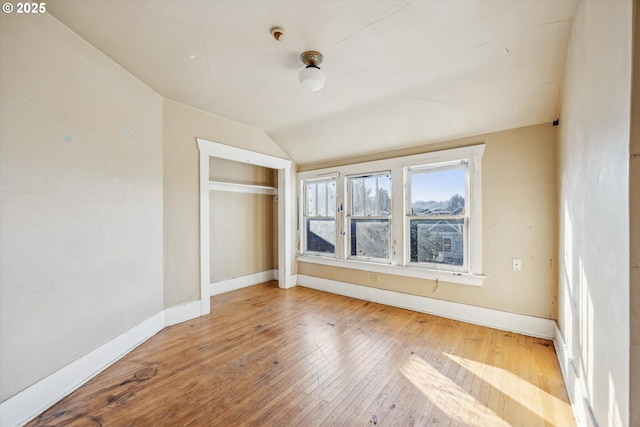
column 369, row 216
column 320, row 216
column 437, row 216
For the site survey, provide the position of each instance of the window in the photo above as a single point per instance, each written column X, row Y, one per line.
column 437, row 217
column 320, row 216
column 417, row 216
column 369, row 216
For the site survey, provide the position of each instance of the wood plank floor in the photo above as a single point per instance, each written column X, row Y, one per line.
column 300, row 357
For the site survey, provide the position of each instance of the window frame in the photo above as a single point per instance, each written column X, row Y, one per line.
column 349, row 216
column 465, row 217
column 305, row 215
column 400, row 250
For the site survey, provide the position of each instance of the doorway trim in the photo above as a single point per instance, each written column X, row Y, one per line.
column 214, row 149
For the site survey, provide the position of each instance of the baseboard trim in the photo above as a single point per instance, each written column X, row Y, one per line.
column 223, row 286
column 512, row 322
column 182, row 312
column 291, row 281
column 575, row 389
column 32, row 401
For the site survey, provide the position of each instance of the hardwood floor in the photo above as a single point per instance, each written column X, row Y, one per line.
column 300, row 357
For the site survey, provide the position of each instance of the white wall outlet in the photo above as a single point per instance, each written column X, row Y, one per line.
column 517, row 264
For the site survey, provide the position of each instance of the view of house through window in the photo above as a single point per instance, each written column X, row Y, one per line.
column 436, row 216
column 369, row 216
column 320, row 216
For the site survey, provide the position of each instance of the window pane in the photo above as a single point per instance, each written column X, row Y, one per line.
column 357, row 197
column 438, row 192
column 321, row 235
column 437, row 241
column 370, row 238
column 322, row 199
column 370, row 196
column 331, row 199
column 384, row 194
column 311, row 199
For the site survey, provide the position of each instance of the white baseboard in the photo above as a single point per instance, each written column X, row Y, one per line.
column 512, row 322
column 182, row 312
column 29, row 403
column 229, row 285
column 290, row 282
column 575, row 389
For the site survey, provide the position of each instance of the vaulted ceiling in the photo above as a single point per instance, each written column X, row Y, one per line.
column 398, row 73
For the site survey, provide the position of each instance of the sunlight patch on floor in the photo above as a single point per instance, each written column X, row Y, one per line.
column 446, row 394
column 537, row 401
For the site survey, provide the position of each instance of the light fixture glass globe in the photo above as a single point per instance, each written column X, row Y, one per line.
column 311, row 78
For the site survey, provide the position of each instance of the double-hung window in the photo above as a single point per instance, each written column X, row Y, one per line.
column 416, row 216
column 437, row 217
column 369, row 216
column 320, row 216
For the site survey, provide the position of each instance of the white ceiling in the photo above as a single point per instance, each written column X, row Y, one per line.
column 399, row 73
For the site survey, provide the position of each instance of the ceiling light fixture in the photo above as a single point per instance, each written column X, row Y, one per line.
column 311, row 77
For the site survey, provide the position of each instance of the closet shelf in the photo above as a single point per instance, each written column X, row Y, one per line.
column 242, row 188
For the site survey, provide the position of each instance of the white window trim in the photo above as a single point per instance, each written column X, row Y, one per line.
column 399, row 232
column 285, row 247
column 348, row 218
column 303, row 216
column 434, row 266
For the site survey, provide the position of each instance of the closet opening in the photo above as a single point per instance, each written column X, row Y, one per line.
column 245, row 219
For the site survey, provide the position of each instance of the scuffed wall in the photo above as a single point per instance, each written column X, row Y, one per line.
column 594, row 207
column 634, row 217
column 81, row 200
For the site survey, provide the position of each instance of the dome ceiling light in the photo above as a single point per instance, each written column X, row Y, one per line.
column 311, row 77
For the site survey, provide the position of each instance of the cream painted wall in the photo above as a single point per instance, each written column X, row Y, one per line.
column 594, row 206
column 241, row 234
column 241, row 173
column 81, row 200
column 182, row 124
column 634, row 219
column 519, row 221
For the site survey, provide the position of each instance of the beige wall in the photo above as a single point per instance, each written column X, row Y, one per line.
column 241, row 173
column 81, row 200
column 241, row 234
column 594, row 206
column 182, row 124
column 634, row 224
column 519, row 221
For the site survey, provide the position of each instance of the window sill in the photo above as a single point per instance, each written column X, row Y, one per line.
column 398, row 270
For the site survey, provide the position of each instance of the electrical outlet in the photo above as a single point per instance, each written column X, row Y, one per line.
column 517, row 264
column 374, row 277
